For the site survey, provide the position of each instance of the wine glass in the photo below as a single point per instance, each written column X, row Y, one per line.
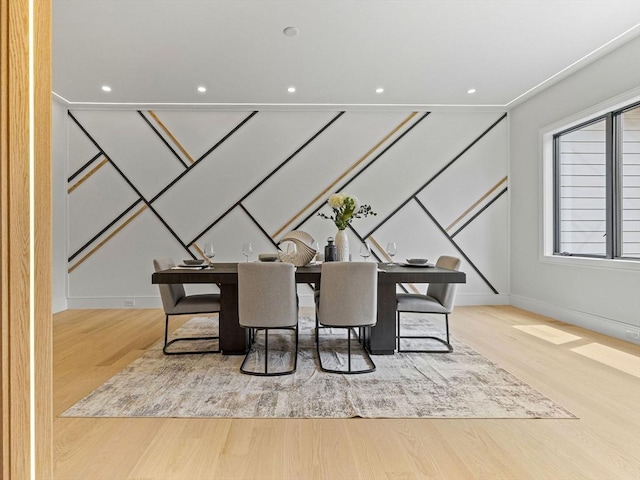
column 391, row 250
column 365, row 251
column 209, row 252
column 247, row 250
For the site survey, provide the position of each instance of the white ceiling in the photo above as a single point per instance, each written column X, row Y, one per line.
column 424, row 53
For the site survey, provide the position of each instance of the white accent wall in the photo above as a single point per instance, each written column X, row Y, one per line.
column 437, row 181
column 600, row 295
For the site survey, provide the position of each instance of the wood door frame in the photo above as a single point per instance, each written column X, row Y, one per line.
column 26, row 349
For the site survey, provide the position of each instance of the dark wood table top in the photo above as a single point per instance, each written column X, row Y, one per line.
column 227, row 273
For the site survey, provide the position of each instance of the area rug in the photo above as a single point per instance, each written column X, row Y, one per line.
column 462, row 384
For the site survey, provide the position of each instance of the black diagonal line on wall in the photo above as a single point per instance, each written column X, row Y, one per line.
column 457, row 247
column 258, row 225
column 477, row 214
column 362, row 240
column 426, row 184
column 101, row 232
column 133, row 187
column 192, row 166
column 267, row 177
column 175, row 154
column 84, row 167
column 371, row 162
column 206, row 154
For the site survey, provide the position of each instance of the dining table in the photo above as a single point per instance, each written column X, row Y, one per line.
column 234, row 340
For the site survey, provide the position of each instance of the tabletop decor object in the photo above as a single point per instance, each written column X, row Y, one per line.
column 267, row 257
column 345, row 208
column 417, row 261
column 304, row 252
column 191, row 262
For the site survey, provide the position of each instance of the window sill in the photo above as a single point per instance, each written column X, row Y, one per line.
column 618, row 264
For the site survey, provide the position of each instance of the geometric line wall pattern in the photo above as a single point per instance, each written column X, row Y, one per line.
column 321, row 197
column 169, row 134
column 414, row 197
column 384, row 139
column 344, row 185
column 87, row 176
column 141, row 197
column 266, row 178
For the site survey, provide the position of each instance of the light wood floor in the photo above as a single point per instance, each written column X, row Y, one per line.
column 593, row 376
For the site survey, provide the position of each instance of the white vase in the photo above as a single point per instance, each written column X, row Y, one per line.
column 342, row 246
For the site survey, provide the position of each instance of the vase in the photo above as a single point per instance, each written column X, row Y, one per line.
column 342, row 246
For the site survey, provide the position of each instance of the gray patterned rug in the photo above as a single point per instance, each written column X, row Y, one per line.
column 462, row 384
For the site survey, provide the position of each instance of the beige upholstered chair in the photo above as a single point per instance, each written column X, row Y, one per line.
column 348, row 299
column 267, row 301
column 440, row 298
column 176, row 302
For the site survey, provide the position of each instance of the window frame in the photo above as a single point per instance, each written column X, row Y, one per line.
column 546, row 185
column 613, row 182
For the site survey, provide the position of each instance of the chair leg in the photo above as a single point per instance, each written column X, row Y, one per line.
column 349, row 370
column 317, row 327
column 167, row 343
column 266, row 372
column 448, row 347
column 266, row 351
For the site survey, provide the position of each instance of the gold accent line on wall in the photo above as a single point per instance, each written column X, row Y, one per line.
column 389, row 259
column 343, row 175
column 91, row 172
column 379, row 248
column 103, row 242
column 173, row 139
column 195, row 245
column 476, row 203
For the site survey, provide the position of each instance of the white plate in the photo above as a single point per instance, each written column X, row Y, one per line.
column 421, row 265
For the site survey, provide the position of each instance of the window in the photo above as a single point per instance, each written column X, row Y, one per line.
column 596, row 195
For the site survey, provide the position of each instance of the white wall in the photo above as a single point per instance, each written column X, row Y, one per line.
column 116, row 266
column 59, row 202
column 594, row 295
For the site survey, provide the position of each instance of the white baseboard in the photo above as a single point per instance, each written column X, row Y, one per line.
column 606, row 326
column 114, row 302
column 59, row 305
column 483, row 299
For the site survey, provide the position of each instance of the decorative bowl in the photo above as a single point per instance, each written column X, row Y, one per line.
column 191, row 261
column 267, row 257
column 304, row 252
column 417, row 261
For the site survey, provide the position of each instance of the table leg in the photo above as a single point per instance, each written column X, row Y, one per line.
column 233, row 338
column 382, row 339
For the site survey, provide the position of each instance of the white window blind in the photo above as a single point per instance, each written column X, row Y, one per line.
column 582, row 195
column 630, row 193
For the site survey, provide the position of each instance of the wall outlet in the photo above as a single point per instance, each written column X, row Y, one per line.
column 129, row 303
column 633, row 334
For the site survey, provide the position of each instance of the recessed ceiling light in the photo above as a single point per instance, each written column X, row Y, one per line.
column 291, row 31
column 471, row 90
column 379, row 90
column 202, row 89
column 106, row 88
column 291, row 89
